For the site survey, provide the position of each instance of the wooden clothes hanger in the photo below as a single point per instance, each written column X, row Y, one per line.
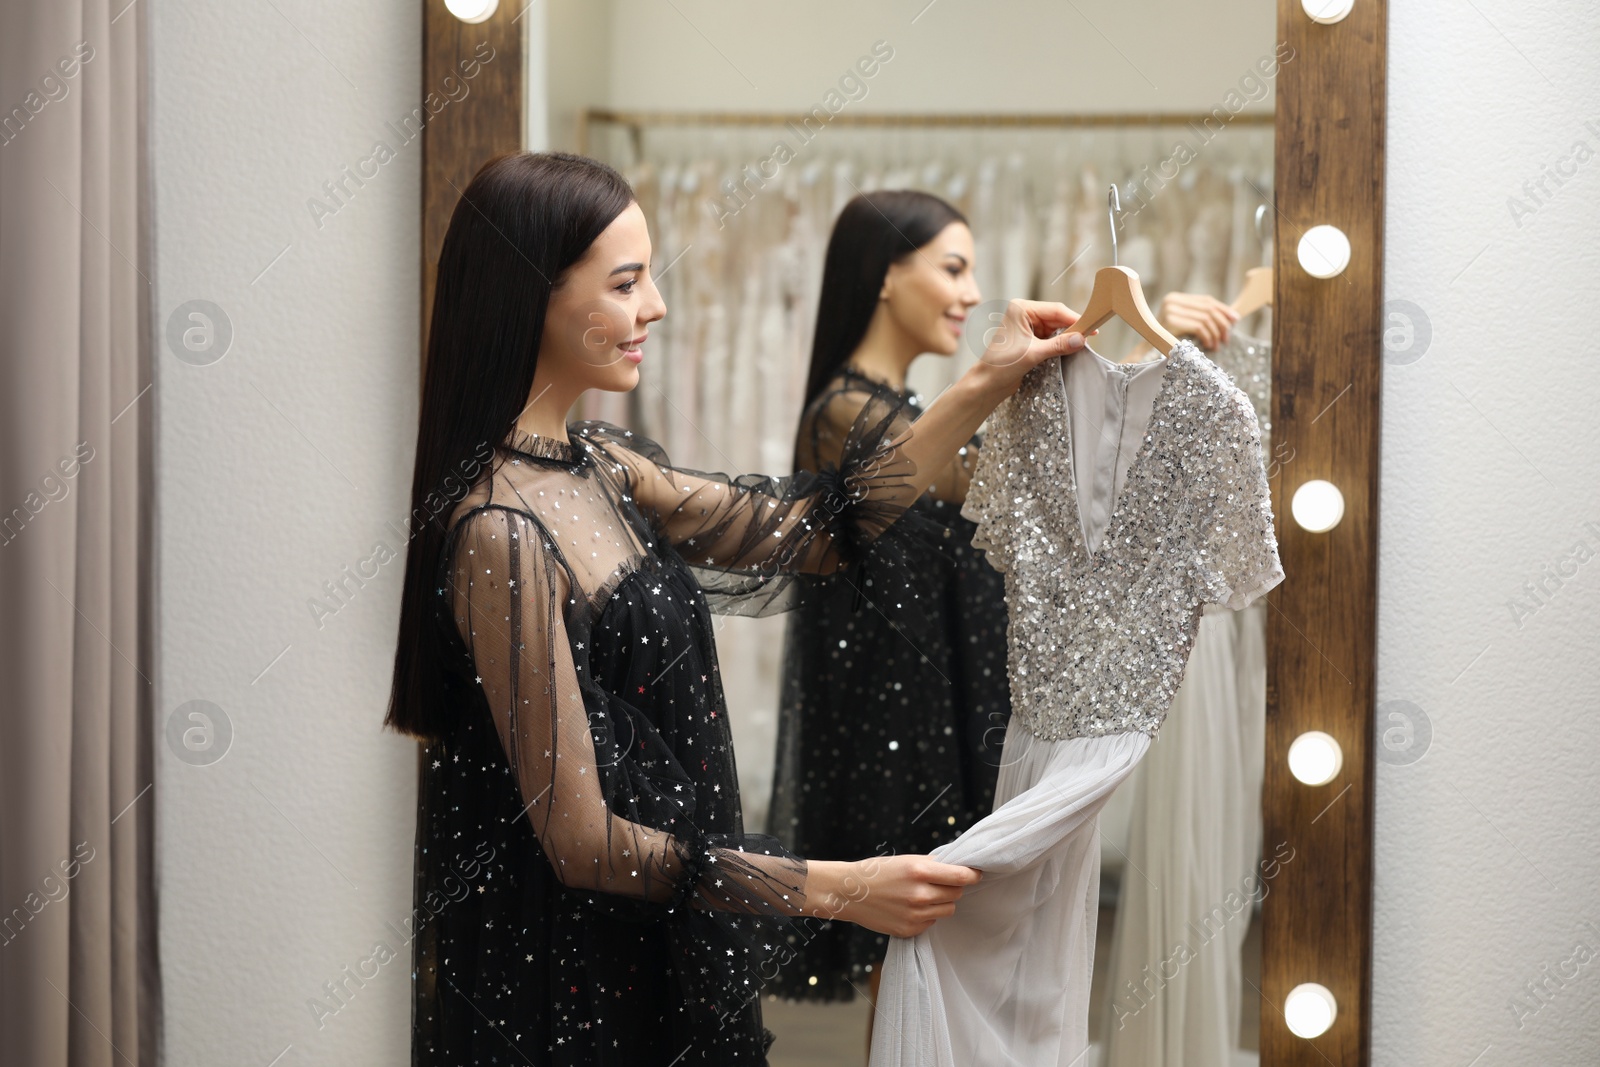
column 1117, row 292
column 1256, row 293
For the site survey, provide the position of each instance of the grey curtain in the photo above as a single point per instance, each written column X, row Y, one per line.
column 77, row 934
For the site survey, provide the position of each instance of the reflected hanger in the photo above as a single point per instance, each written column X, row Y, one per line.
column 1117, row 292
column 1257, row 290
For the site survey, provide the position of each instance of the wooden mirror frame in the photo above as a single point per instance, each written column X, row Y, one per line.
column 1327, row 352
column 1326, row 356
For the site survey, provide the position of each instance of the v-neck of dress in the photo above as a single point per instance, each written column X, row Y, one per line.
column 1135, row 466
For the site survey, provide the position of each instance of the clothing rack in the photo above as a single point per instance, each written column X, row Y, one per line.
column 636, row 121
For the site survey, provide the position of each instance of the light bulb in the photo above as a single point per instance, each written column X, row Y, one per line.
column 1310, row 1009
column 1326, row 11
column 1324, row 251
column 1315, row 758
column 471, row 10
column 1317, row 506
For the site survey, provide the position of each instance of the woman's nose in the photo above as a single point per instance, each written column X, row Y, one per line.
column 654, row 308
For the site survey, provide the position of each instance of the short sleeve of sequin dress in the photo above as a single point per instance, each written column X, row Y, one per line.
column 1238, row 546
column 585, row 892
column 986, row 506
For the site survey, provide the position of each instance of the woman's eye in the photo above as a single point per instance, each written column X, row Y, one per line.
column 626, row 287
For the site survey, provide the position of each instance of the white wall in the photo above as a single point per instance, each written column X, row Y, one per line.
column 278, row 466
column 1022, row 55
column 1488, row 848
column 577, row 66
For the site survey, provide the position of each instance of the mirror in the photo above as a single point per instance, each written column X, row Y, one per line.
column 744, row 132
column 588, row 67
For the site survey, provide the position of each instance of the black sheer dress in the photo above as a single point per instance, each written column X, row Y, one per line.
column 585, row 891
column 894, row 702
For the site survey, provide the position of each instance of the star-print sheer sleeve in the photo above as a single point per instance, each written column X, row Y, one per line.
column 1238, row 543
column 749, row 536
column 616, row 738
column 954, row 482
column 823, row 437
column 613, row 810
column 637, row 814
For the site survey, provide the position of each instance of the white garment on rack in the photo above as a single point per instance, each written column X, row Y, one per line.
column 1192, row 809
column 1208, row 236
column 1186, row 898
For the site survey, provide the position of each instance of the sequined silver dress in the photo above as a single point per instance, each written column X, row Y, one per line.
column 1248, row 361
column 1109, row 560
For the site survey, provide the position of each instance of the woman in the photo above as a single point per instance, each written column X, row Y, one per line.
column 894, row 694
column 584, row 889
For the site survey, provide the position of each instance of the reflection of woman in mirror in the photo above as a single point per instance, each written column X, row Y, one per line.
column 583, row 881
column 894, row 693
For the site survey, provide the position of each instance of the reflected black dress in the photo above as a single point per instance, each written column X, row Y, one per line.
column 585, row 892
column 894, row 702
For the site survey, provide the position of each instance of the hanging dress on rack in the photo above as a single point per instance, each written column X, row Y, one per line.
column 1248, row 361
column 1194, row 816
column 1174, row 970
column 1105, row 588
column 893, row 706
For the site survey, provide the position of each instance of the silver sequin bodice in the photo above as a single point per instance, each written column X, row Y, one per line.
column 1248, row 361
column 1098, row 642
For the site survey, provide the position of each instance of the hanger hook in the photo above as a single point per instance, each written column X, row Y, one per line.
column 1261, row 232
column 1115, row 205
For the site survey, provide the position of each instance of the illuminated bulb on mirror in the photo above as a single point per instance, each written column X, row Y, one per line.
column 1324, row 251
column 1309, row 1009
column 1317, row 506
column 1315, row 758
column 1326, row 11
column 471, row 10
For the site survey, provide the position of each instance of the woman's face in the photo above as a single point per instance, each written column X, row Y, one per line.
column 600, row 312
column 927, row 294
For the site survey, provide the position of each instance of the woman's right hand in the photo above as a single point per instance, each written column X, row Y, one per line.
column 1030, row 332
column 897, row 895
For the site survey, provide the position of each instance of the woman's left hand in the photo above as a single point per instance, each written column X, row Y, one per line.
column 1205, row 318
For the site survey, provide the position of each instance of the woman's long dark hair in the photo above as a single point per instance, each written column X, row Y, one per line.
column 874, row 231
column 524, row 219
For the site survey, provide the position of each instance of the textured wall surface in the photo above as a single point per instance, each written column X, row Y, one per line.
column 1487, row 846
column 279, row 465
